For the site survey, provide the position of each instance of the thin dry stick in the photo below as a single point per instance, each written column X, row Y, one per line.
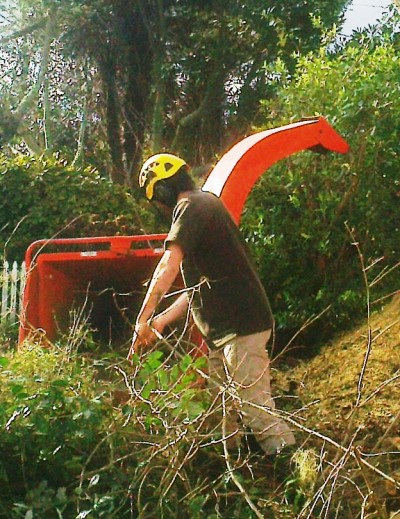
column 339, row 467
column 383, row 273
column 387, row 296
column 321, row 436
column 84, row 475
column 333, row 474
column 388, row 430
column 192, row 450
column 12, row 234
column 309, row 321
column 364, row 505
column 385, row 330
column 46, row 242
column 380, row 510
column 369, row 341
column 381, row 386
column 229, row 467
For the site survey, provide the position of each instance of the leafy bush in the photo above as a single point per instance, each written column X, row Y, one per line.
column 306, row 214
column 79, row 442
column 85, row 434
column 50, row 420
column 42, row 198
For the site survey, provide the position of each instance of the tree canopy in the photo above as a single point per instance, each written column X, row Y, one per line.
column 76, row 97
column 114, row 80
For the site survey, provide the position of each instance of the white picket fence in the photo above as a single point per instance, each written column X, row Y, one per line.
column 12, row 282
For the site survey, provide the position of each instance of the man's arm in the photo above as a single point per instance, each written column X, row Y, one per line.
column 174, row 312
column 163, row 277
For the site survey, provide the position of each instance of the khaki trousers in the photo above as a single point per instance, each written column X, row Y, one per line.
column 240, row 372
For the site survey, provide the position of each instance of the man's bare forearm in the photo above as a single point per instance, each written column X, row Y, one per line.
column 162, row 280
column 174, row 312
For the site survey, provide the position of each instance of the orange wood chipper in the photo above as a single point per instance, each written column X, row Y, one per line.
column 105, row 275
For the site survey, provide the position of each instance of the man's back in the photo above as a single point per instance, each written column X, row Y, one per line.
column 229, row 298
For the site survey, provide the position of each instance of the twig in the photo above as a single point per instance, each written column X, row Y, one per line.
column 385, row 330
column 337, row 470
column 309, row 321
column 229, row 466
column 380, row 510
column 396, row 292
column 12, row 234
column 383, row 273
column 369, row 341
column 381, row 386
column 334, row 473
column 394, row 422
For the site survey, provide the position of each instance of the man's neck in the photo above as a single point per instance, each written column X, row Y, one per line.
column 183, row 195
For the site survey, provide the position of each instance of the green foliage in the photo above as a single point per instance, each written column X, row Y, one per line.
column 89, row 435
column 44, row 198
column 307, row 214
column 181, row 75
column 152, row 376
column 49, row 422
column 77, row 444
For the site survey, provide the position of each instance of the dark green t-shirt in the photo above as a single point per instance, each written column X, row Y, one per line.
column 227, row 295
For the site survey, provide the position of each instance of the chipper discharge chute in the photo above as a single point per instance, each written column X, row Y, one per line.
column 239, row 169
column 103, row 278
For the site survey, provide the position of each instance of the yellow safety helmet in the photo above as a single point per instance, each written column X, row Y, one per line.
column 158, row 167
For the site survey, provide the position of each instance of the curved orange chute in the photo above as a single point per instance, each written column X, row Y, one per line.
column 238, row 170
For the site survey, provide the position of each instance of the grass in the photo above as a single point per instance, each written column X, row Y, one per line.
column 349, row 395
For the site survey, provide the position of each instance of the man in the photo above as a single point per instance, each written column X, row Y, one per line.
column 223, row 293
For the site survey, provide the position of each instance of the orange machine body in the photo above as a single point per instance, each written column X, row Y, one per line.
column 106, row 275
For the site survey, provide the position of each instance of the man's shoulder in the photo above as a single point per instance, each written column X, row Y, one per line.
column 197, row 200
column 204, row 199
column 199, row 208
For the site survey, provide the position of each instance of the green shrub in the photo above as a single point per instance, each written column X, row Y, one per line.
column 86, row 435
column 50, row 421
column 76, row 444
column 43, row 198
column 306, row 213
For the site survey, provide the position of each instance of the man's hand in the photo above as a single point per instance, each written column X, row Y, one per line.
column 144, row 335
column 163, row 277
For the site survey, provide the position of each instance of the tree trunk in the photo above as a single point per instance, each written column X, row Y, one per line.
column 135, row 79
column 157, row 127
column 108, row 73
column 47, row 126
column 12, row 122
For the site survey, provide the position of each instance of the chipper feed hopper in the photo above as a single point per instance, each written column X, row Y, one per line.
column 106, row 275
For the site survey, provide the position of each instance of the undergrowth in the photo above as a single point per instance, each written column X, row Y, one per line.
column 84, row 433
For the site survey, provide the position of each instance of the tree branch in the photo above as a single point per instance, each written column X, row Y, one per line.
column 34, row 91
column 193, row 117
column 23, row 32
column 48, row 137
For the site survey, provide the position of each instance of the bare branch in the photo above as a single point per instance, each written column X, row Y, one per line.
column 33, row 93
column 369, row 340
column 24, row 31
